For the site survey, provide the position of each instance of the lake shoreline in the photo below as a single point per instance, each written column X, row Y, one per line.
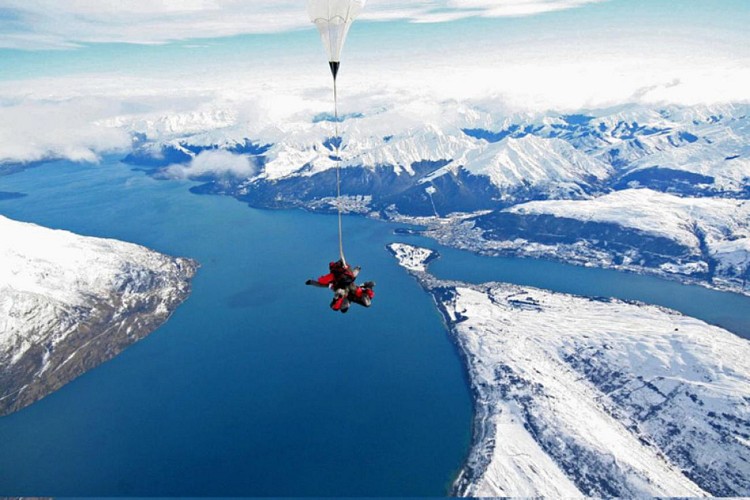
column 117, row 294
column 494, row 393
column 440, row 231
column 443, row 233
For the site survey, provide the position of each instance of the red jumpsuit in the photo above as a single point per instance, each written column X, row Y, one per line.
column 341, row 281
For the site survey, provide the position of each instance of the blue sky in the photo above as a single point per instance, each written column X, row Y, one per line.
column 60, row 43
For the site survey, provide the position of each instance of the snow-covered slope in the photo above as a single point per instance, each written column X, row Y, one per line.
column 724, row 166
column 717, row 227
column 577, row 396
column 68, row 303
column 437, row 159
column 534, row 162
column 482, row 159
column 305, row 149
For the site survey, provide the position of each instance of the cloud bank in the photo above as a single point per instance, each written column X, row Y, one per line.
column 81, row 118
column 42, row 24
column 218, row 163
column 39, row 130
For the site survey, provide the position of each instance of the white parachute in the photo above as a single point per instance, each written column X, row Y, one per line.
column 333, row 19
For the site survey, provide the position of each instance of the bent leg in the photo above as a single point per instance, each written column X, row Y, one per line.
column 344, row 305
column 362, row 299
column 339, row 300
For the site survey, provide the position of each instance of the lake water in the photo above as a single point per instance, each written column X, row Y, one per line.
column 728, row 310
column 254, row 387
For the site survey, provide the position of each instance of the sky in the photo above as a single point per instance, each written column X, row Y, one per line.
column 78, row 76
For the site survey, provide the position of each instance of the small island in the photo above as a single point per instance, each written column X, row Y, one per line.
column 578, row 396
column 69, row 303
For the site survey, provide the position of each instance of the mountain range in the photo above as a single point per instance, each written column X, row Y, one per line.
column 499, row 170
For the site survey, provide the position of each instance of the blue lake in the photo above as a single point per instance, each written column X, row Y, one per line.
column 254, row 387
column 728, row 310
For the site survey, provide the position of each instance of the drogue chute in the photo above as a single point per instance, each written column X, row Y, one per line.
column 333, row 19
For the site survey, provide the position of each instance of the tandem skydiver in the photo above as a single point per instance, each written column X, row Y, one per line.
column 341, row 279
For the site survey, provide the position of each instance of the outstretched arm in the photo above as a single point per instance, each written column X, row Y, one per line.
column 322, row 282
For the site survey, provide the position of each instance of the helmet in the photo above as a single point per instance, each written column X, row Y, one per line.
column 336, row 266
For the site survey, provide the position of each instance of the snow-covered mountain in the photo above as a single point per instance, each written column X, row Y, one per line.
column 695, row 239
column 716, row 230
column 548, row 165
column 436, row 159
column 476, row 159
column 577, row 396
column 68, row 303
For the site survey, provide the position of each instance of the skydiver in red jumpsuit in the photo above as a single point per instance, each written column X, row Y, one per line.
column 341, row 279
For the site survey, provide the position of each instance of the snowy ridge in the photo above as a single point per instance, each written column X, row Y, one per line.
column 717, row 226
column 426, row 144
column 726, row 165
column 577, row 396
column 533, row 161
column 304, row 148
column 425, row 158
column 522, row 156
column 69, row 302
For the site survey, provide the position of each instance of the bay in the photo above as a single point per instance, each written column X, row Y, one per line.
column 254, row 387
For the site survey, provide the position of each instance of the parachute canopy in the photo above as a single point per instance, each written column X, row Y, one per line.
column 333, row 19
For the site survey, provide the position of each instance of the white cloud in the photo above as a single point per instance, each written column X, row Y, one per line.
column 34, row 24
column 516, row 8
column 81, row 117
column 60, row 24
column 37, row 130
column 217, row 163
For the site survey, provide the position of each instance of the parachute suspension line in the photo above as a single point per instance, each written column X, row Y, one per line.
column 337, row 143
column 333, row 18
